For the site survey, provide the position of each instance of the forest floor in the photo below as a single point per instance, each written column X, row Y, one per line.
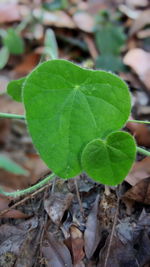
column 75, row 222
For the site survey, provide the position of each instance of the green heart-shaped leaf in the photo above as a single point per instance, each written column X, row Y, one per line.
column 67, row 107
column 14, row 89
column 109, row 161
column 13, row 42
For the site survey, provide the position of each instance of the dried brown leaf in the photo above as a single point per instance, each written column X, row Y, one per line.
column 84, row 21
column 56, row 253
column 140, row 171
column 56, row 205
column 139, row 192
column 9, row 13
column 92, row 233
column 141, row 133
column 139, row 61
column 76, row 244
column 56, row 18
column 142, row 20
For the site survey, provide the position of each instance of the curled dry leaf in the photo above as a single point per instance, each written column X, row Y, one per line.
column 139, row 192
column 139, row 61
column 141, row 133
column 56, row 253
column 92, row 233
column 9, row 13
column 56, row 205
column 140, row 170
column 84, row 21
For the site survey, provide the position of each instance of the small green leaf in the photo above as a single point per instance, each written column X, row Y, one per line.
column 50, row 44
column 109, row 161
column 14, row 89
column 110, row 39
column 4, row 55
column 56, row 5
column 67, row 107
column 11, row 166
column 13, row 42
column 110, row 62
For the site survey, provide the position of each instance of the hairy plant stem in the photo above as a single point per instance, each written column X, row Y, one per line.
column 137, row 121
column 143, row 151
column 11, row 116
column 28, row 190
column 22, row 117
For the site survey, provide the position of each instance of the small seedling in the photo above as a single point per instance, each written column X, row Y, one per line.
column 75, row 117
column 12, row 43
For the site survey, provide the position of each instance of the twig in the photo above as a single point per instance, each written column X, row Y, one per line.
column 24, row 199
column 78, row 197
column 113, row 229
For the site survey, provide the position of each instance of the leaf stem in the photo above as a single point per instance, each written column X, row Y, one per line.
column 143, row 151
column 11, row 116
column 28, row 190
column 137, row 121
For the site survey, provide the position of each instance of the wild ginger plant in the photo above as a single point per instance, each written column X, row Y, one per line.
column 75, row 117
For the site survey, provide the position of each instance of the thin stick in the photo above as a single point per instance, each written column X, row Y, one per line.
column 138, row 121
column 28, row 190
column 11, row 116
column 78, row 197
column 112, row 232
column 24, row 200
column 143, row 151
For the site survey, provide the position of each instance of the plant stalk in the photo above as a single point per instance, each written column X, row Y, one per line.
column 11, row 116
column 143, row 151
column 137, row 121
column 28, row 190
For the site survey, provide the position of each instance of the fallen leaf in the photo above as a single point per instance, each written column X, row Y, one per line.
column 142, row 20
column 139, row 192
column 56, row 253
column 92, row 233
column 16, row 243
column 121, row 254
column 139, row 61
column 56, row 18
column 9, row 12
column 84, row 21
column 141, row 133
column 76, row 245
column 140, row 170
column 137, row 3
column 28, row 63
column 56, row 205
column 13, row 213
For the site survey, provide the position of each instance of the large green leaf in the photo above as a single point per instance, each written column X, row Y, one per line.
column 109, row 161
column 14, row 89
column 13, row 42
column 67, row 107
